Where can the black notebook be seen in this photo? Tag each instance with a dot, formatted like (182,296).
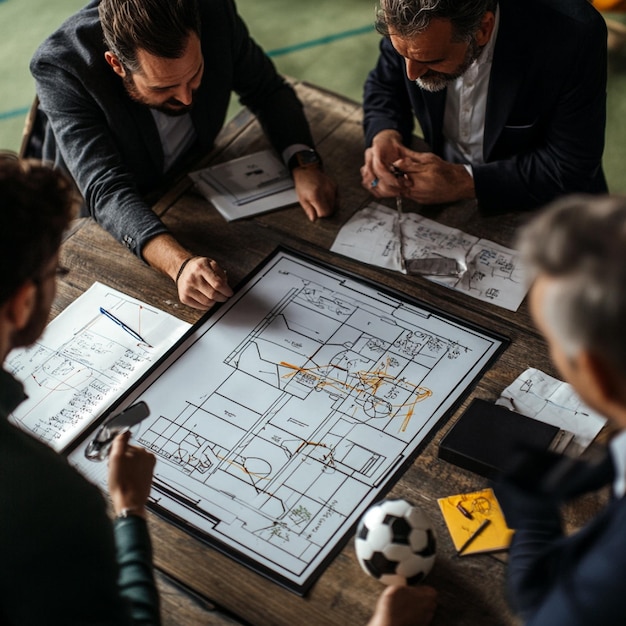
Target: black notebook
(487,437)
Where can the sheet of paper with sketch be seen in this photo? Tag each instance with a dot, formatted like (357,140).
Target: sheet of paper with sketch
(251,184)
(483,269)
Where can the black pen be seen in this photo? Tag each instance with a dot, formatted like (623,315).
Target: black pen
(473,536)
(128,329)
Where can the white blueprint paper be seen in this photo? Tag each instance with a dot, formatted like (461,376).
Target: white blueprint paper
(84,361)
(288,411)
(490,272)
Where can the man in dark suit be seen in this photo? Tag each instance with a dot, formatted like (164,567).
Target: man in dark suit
(130,90)
(576,248)
(510,96)
(63,560)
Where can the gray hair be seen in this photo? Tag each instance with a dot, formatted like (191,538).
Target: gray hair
(581,242)
(406,18)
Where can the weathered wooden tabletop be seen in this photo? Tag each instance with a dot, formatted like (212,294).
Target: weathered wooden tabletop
(201,586)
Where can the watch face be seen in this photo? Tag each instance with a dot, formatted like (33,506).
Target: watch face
(307,157)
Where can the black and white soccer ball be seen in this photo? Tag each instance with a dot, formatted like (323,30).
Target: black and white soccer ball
(395,543)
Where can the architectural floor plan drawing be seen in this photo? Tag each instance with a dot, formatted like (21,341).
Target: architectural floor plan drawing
(289,410)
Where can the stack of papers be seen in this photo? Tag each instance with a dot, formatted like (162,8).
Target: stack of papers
(251,184)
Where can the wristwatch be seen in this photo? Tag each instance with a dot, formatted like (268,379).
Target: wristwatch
(125,513)
(304,158)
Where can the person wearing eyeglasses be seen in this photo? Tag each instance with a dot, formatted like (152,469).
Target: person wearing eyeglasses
(62,561)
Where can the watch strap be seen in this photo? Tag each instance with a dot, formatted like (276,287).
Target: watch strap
(305,159)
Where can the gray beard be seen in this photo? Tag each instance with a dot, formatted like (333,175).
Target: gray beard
(437,81)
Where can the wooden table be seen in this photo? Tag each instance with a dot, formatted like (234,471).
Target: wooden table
(200,585)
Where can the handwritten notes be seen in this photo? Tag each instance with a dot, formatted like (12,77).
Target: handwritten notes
(537,395)
(466,513)
(83,361)
(489,272)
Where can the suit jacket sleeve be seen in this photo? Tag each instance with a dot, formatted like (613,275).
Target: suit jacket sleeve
(96,133)
(556,579)
(386,102)
(546,107)
(265,92)
(136,577)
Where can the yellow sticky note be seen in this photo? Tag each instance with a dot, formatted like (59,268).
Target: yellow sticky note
(466,513)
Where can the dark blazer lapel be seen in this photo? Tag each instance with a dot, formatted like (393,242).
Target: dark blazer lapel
(507,72)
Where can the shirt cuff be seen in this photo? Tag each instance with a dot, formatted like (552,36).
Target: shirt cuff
(289,151)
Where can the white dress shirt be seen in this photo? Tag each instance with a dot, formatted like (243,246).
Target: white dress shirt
(466,104)
(617,447)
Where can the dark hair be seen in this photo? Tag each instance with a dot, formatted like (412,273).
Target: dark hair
(407,18)
(36,205)
(160,27)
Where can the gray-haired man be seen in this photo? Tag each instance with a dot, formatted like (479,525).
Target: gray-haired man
(510,97)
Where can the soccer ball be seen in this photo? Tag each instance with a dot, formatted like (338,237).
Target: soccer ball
(395,543)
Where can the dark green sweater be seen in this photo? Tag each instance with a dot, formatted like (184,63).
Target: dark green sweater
(61,560)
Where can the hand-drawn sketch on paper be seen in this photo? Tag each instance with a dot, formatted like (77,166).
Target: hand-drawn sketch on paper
(285,413)
(488,271)
(84,362)
(540,396)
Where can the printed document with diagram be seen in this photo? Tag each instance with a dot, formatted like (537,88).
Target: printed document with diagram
(251,184)
(486,270)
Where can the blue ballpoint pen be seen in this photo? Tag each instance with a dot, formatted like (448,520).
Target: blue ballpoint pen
(128,329)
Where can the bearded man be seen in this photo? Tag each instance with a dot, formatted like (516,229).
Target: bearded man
(132,91)
(510,97)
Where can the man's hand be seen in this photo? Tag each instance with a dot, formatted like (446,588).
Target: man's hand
(376,174)
(317,192)
(201,283)
(431,180)
(405,606)
(130,475)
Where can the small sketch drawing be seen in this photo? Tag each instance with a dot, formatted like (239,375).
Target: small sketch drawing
(491,273)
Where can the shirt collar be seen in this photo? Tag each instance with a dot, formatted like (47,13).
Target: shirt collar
(11,393)
(617,447)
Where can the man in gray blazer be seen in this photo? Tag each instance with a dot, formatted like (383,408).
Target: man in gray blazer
(129,89)
(510,96)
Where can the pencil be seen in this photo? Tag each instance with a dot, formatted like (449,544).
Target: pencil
(473,536)
(464,511)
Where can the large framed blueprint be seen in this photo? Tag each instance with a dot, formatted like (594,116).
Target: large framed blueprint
(284,413)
